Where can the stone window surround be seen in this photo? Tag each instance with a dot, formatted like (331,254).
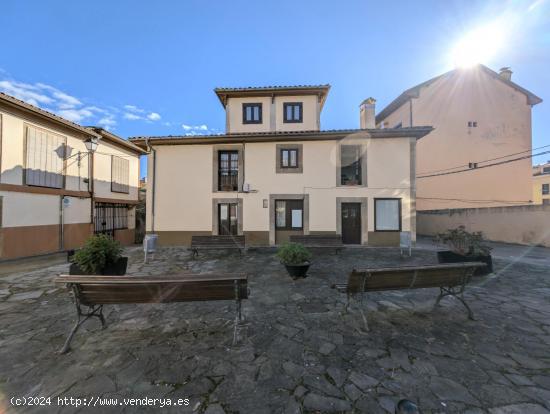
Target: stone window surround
(272,198)
(215,221)
(364,176)
(215,159)
(289,170)
(364,201)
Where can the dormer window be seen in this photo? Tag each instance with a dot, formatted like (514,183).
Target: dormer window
(252,113)
(292,112)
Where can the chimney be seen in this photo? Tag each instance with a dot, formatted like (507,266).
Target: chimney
(505,73)
(367,114)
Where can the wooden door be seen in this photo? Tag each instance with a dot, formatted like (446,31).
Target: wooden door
(351,223)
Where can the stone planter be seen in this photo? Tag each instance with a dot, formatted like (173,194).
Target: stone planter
(448,256)
(114,269)
(297,271)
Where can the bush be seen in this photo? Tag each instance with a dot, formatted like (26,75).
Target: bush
(293,254)
(463,242)
(99,251)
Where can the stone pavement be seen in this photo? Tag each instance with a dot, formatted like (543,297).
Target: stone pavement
(301,353)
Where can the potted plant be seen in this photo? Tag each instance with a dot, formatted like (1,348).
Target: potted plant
(101,255)
(465,247)
(295,257)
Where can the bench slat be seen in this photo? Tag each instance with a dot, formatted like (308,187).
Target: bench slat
(404,277)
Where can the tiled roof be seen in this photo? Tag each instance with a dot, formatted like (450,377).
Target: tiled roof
(272,87)
(53,117)
(109,136)
(417,132)
(413,92)
(223,93)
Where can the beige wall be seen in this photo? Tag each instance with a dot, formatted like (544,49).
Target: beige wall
(13,153)
(504,127)
(524,224)
(183,200)
(102,171)
(538,181)
(272,114)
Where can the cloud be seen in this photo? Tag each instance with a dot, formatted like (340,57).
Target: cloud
(197,129)
(72,108)
(132,117)
(107,122)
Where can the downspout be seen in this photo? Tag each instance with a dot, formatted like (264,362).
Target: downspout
(410,112)
(153,186)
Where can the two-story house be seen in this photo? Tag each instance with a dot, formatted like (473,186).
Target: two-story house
(275,173)
(480,117)
(48,203)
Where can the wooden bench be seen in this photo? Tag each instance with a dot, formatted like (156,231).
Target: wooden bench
(91,293)
(451,279)
(216,243)
(319,240)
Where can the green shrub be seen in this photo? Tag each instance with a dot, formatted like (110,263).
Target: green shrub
(293,254)
(99,251)
(463,242)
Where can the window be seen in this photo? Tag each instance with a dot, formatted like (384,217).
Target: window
(228,171)
(387,214)
(545,189)
(292,112)
(44,158)
(227,219)
(546,170)
(472,124)
(289,214)
(350,165)
(110,217)
(252,113)
(120,174)
(399,125)
(289,158)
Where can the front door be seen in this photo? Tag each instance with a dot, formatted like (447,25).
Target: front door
(227,219)
(351,223)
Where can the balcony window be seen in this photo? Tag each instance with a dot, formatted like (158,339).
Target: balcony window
(120,174)
(44,158)
(228,171)
(350,165)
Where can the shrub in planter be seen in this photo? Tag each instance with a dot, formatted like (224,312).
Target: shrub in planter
(465,247)
(296,258)
(101,255)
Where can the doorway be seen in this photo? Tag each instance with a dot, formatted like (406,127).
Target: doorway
(227,219)
(351,223)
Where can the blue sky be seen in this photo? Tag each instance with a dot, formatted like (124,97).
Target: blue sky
(148,68)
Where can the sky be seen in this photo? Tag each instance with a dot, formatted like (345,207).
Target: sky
(149,68)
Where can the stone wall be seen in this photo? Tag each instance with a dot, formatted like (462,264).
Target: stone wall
(529,224)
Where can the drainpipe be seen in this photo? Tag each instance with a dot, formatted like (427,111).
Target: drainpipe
(153,186)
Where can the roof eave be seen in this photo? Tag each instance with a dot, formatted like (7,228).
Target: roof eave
(415,132)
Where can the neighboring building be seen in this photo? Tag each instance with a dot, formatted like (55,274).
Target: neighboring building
(479,117)
(46,202)
(541,183)
(276,173)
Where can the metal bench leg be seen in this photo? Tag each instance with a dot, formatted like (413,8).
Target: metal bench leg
(238,320)
(451,292)
(81,317)
(195,254)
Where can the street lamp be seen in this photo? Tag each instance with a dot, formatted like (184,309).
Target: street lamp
(91,144)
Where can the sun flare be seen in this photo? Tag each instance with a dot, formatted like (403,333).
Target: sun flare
(478,46)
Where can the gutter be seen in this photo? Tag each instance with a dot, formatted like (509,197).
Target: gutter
(153,186)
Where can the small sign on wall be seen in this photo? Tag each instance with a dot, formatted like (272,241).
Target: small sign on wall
(265,203)
(66,202)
